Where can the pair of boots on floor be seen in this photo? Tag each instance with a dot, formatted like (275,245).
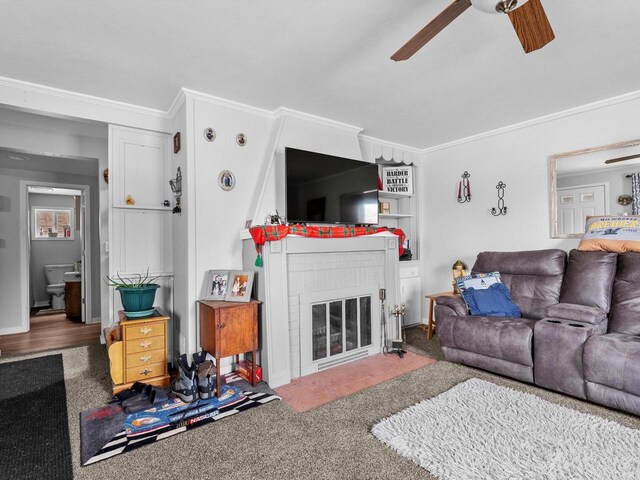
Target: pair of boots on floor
(197,380)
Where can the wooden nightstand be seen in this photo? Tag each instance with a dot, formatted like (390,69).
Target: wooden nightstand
(141,355)
(229,328)
(432,302)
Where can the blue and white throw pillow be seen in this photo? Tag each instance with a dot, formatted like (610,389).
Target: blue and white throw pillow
(486,295)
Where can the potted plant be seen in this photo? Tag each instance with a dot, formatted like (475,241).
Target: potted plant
(137,294)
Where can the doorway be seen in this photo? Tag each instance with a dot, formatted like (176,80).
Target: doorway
(578,202)
(55,231)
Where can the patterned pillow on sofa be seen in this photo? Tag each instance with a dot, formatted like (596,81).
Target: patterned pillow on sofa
(611,234)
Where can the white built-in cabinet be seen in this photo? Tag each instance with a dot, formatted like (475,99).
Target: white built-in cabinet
(141,230)
(403,214)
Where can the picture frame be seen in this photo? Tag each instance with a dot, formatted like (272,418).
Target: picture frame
(240,286)
(176,142)
(398,180)
(217,285)
(226,180)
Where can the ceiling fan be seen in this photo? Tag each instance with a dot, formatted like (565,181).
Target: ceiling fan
(527,16)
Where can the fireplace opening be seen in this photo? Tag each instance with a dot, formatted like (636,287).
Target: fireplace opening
(340,326)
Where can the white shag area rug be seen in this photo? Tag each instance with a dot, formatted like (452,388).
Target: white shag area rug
(479,430)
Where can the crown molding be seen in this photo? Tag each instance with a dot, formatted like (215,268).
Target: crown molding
(386,143)
(539,120)
(223,102)
(291,113)
(178,101)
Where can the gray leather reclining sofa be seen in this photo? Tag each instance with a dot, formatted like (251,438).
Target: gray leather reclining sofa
(580,328)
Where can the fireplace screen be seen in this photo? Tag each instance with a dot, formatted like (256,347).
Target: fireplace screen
(340,326)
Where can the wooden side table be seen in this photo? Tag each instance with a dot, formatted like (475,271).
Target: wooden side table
(432,303)
(229,328)
(141,354)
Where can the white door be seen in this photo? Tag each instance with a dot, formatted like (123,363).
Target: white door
(576,203)
(83,257)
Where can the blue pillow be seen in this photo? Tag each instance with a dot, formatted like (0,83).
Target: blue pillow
(494,301)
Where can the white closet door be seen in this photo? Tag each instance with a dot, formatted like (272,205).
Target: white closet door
(577,203)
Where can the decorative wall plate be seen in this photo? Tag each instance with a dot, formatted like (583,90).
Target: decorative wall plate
(241,139)
(226,180)
(209,134)
(625,199)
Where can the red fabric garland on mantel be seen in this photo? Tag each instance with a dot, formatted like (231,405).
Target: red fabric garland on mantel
(270,233)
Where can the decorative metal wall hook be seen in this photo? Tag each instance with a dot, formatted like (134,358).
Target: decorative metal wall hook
(176,188)
(501,210)
(464,188)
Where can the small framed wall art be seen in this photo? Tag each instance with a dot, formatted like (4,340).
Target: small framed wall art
(176,143)
(398,180)
(226,180)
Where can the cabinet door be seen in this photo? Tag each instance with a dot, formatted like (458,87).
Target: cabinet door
(140,168)
(237,330)
(412,299)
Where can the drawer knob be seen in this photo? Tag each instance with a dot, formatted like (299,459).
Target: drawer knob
(145,344)
(145,358)
(221,325)
(146,330)
(146,371)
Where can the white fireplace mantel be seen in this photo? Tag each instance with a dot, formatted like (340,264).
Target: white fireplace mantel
(279,310)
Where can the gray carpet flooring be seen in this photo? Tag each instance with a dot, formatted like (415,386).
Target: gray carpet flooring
(333,441)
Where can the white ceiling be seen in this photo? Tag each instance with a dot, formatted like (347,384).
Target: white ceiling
(328,58)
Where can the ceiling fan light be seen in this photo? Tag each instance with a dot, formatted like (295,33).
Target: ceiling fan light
(497,6)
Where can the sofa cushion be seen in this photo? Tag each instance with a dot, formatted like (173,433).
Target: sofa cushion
(613,360)
(589,279)
(498,337)
(578,313)
(625,303)
(534,278)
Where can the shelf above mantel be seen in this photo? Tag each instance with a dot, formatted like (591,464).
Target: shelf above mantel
(383,194)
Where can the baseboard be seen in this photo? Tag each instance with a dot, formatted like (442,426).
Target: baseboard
(12,330)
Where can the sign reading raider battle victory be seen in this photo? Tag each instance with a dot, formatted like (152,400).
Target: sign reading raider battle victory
(397,180)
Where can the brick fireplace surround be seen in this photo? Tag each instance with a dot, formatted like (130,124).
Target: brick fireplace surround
(300,272)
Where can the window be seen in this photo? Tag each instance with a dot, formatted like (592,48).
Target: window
(52,223)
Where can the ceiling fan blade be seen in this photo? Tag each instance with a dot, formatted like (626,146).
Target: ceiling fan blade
(622,159)
(531,25)
(434,27)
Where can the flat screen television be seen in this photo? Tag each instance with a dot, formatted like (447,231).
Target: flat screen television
(326,189)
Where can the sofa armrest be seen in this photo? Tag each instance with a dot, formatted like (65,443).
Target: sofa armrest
(454,303)
(577,313)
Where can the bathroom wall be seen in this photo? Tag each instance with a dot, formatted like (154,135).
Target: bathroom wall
(45,252)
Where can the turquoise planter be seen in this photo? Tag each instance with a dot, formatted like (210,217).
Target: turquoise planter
(139,298)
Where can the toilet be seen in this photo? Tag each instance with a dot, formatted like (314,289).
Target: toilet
(55,283)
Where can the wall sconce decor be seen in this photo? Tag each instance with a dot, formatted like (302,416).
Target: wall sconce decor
(176,188)
(105,175)
(457,270)
(501,210)
(464,188)
(241,139)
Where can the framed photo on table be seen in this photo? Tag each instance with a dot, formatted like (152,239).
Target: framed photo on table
(240,286)
(217,284)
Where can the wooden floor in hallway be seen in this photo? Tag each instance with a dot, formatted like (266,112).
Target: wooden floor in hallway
(48,332)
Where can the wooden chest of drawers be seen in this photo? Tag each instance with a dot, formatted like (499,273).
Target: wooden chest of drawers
(138,351)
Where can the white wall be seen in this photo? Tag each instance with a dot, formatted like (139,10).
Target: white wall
(451,231)
(33,133)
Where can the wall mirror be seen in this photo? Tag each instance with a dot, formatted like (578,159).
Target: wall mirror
(593,181)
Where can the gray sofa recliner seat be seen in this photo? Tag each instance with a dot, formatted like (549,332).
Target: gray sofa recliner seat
(503,345)
(580,331)
(612,361)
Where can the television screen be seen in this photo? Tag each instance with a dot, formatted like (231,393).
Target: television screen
(326,189)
